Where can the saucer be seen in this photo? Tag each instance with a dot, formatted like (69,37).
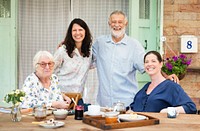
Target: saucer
(56,124)
(87,113)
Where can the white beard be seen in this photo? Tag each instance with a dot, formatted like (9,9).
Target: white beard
(117,34)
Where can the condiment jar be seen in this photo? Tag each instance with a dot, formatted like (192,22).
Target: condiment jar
(111,117)
(79,112)
(40,113)
(119,107)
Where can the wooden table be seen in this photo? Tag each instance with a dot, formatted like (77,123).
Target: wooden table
(184,122)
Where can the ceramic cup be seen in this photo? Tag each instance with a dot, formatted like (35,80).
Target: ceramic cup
(94,110)
(86,106)
(171,112)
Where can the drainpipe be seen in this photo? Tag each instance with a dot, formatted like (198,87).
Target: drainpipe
(163,38)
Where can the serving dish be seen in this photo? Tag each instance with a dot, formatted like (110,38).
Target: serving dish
(100,122)
(131,117)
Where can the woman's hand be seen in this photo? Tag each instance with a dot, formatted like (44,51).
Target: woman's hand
(179,109)
(67,99)
(60,104)
(163,110)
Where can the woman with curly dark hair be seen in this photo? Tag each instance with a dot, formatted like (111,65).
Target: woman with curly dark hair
(73,58)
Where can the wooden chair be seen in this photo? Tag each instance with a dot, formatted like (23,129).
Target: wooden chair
(76,96)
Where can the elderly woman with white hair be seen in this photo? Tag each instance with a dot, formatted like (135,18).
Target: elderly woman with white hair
(41,86)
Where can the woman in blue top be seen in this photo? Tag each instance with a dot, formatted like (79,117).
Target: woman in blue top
(160,93)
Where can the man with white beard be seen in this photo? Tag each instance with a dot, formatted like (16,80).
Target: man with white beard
(117,58)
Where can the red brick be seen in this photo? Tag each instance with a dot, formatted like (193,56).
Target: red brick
(168,31)
(189,8)
(171,8)
(184,31)
(196,2)
(188,23)
(198,32)
(168,15)
(198,16)
(185,15)
(183,1)
(170,23)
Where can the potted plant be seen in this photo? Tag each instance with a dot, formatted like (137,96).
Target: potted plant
(176,65)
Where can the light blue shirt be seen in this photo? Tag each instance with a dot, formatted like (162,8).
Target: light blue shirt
(116,66)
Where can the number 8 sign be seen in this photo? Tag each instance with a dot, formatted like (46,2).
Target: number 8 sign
(189,44)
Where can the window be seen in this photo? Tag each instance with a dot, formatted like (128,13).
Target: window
(5,9)
(144,9)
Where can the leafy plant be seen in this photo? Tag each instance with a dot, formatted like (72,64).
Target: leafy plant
(16,96)
(176,65)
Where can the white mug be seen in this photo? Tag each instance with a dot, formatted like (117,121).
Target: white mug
(93,110)
(172,112)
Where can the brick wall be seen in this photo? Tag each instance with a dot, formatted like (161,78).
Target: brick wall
(182,17)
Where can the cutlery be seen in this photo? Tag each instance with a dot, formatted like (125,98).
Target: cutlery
(74,101)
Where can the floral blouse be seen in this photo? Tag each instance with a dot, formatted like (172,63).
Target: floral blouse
(36,94)
(72,72)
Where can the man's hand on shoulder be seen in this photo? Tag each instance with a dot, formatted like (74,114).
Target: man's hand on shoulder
(171,77)
(59,45)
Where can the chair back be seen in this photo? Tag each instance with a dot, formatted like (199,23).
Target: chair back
(76,96)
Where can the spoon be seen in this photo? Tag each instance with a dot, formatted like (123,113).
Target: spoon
(74,101)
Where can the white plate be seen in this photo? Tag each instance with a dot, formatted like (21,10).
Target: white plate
(87,113)
(5,110)
(127,117)
(52,125)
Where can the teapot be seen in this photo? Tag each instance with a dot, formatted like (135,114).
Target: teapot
(119,107)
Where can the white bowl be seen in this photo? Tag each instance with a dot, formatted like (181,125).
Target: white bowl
(111,114)
(60,112)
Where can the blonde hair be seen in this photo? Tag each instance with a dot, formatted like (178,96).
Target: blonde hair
(38,55)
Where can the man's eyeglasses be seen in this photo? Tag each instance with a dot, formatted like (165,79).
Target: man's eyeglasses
(50,64)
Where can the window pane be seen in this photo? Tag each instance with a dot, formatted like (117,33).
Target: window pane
(144,9)
(4,8)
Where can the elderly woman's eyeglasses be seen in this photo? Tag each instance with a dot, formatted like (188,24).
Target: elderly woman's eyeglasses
(43,65)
